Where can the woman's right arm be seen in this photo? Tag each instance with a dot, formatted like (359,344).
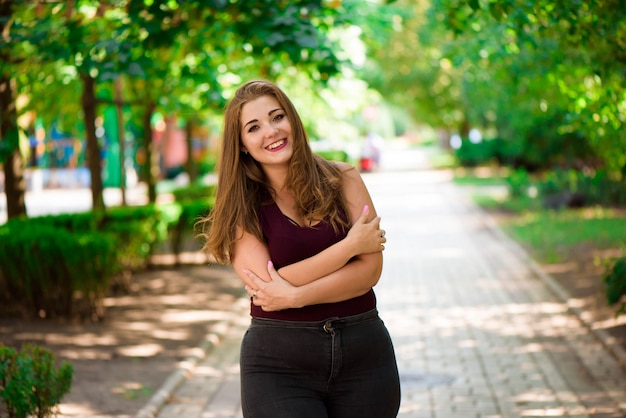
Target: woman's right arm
(250,254)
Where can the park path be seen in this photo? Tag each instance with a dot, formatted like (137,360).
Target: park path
(478,332)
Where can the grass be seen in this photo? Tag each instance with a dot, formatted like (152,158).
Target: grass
(480,178)
(502,202)
(551,235)
(589,239)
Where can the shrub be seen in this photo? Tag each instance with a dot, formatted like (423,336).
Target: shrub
(193,202)
(194,192)
(74,222)
(334,155)
(138,229)
(62,265)
(189,212)
(29,382)
(472,154)
(207,165)
(49,269)
(518,182)
(573,188)
(615,281)
(507,151)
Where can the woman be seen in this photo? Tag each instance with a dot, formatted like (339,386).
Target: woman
(303,235)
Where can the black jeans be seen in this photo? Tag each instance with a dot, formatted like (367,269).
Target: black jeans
(338,368)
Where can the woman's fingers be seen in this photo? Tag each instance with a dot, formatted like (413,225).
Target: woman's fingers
(272,271)
(252,281)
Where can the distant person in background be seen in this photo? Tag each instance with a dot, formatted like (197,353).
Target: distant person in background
(303,234)
(371,152)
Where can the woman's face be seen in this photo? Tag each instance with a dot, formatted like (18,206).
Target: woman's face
(266,131)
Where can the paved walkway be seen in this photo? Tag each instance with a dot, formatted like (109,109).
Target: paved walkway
(477,331)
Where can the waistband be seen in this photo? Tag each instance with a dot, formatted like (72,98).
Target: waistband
(329,323)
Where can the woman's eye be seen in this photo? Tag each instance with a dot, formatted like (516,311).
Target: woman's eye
(253,128)
(279,117)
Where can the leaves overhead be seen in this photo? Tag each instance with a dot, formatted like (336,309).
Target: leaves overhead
(511,67)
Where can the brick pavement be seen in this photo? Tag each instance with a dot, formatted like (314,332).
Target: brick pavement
(478,331)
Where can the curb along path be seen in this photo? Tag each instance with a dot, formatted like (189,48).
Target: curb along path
(478,331)
(207,385)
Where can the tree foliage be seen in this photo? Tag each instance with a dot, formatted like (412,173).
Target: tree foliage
(174,56)
(538,72)
(575,53)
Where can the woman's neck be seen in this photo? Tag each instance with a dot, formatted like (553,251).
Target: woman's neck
(277,177)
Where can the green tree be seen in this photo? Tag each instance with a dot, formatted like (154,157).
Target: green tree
(187,66)
(573,56)
(174,56)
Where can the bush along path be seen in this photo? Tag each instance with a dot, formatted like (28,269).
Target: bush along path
(30,384)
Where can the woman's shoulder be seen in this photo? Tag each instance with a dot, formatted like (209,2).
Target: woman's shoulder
(350,176)
(345,168)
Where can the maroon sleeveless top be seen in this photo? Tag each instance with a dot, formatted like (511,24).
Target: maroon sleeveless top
(289,243)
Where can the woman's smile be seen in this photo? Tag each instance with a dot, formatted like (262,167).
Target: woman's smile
(278,145)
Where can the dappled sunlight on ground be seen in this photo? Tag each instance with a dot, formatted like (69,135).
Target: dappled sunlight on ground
(120,362)
(140,350)
(52,338)
(79,410)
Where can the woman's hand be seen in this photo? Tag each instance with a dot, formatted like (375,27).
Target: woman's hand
(275,295)
(366,237)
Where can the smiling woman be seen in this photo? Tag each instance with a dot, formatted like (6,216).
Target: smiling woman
(303,235)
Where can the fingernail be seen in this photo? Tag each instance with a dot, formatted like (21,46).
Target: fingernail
(245,271)
(365,207)
(270,264)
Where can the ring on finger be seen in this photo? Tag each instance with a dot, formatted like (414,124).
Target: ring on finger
(254,294)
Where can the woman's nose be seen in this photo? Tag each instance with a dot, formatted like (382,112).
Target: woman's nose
(270,130)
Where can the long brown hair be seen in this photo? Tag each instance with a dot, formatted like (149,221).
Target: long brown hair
(243,186)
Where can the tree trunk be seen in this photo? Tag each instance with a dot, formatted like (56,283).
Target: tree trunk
(190,167)
(151,156)
(464,128)
(93,148)
(15,186)
(121,135)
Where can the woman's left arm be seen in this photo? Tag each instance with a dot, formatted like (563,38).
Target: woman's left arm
(354,279)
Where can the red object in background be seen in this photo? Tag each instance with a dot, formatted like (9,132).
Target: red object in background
(367,164)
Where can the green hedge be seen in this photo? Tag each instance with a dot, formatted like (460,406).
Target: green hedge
(334,155)
(587,188)
(472,154)
(55,272)
(138,229)
(63,265)
(196,192)
(615,282)
(192,203)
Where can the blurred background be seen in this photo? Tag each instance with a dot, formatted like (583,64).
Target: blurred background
(121,101)
(118,94)
(110,125)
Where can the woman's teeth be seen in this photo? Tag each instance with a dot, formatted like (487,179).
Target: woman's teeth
(276,144)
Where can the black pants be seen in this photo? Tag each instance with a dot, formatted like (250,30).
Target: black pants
(338,368)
